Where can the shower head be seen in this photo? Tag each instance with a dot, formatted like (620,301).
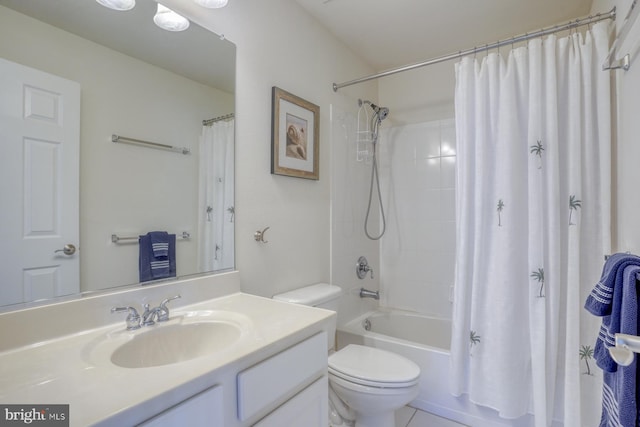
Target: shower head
(381,112)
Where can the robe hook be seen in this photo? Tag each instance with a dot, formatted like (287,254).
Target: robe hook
(259,235)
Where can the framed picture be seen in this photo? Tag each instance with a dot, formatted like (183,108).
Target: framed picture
(295,136)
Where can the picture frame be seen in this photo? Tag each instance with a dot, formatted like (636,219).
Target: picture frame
(295,136)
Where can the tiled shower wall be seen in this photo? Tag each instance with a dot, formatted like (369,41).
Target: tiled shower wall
(417,253)
(349,196)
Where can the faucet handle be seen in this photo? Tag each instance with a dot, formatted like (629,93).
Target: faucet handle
(133,318)
(362,268)
(147,316)
(163,313)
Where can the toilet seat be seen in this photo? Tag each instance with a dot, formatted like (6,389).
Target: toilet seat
(373,367)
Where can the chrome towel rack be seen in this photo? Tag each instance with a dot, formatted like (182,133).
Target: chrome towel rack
(126,140)
(623,351)
(185,235)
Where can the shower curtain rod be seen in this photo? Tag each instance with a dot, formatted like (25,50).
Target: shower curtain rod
(592,19)
(209,122)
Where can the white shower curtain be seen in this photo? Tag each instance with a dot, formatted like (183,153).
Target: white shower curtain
(533,201)
(216,208)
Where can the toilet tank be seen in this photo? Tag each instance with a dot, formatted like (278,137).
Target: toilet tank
(322,295)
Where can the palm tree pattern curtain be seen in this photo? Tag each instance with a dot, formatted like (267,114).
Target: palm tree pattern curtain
(533,201)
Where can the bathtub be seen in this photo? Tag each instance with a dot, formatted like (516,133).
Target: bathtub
(426,341)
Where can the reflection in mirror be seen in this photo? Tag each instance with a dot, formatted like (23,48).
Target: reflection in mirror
(72,74)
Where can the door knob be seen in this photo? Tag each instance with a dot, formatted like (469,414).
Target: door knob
(68,249)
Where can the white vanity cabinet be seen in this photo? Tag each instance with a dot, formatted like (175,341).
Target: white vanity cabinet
(294,381)
(205,409)
(289,388)
(309,408)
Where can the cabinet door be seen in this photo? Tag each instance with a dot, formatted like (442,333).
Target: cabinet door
(309,408)
(266,384)
(203,409)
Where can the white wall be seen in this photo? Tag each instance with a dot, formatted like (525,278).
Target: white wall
(351,180)
(124,189)
(279,44)
(418,252)
(626,204)
(421,95)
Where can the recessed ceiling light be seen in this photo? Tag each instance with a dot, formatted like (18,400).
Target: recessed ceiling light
(212,4)
(167,19)
(118,4)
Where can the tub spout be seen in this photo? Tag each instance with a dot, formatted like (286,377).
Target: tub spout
(365,293)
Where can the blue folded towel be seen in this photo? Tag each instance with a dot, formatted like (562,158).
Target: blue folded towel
(159,243)
(152,266)
(614,298)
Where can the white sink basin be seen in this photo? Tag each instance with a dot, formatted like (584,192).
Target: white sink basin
(167,344)
(186,336)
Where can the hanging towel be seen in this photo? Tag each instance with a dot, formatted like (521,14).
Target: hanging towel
(159,243)
(152,267)
(599,302)
(606,300)
(614,298)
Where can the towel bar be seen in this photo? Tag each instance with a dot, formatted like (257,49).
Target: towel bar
(126,140)
(626,345)
(119,239)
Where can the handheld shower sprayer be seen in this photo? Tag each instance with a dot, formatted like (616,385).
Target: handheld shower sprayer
(380,113)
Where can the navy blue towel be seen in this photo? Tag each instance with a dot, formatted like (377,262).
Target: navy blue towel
(154,261)
(614,298)
(159,243)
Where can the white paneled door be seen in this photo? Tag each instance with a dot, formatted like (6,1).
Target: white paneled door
(39,189)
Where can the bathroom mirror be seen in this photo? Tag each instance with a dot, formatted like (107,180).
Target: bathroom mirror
(137,81)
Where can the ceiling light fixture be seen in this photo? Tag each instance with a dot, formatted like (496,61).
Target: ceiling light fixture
(118,4)
(212,4)
(167,19)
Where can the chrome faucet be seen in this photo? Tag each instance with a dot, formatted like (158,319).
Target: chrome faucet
(163,310)
(365,293)
(149,315)
(160,313)
(133,319)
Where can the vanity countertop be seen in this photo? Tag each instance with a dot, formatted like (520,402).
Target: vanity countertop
(68,370)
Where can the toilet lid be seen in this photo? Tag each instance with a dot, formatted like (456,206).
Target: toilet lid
(373,366)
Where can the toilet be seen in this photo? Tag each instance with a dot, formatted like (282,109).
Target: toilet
(366,384)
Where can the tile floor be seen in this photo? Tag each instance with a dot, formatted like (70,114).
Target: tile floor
(410,417)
